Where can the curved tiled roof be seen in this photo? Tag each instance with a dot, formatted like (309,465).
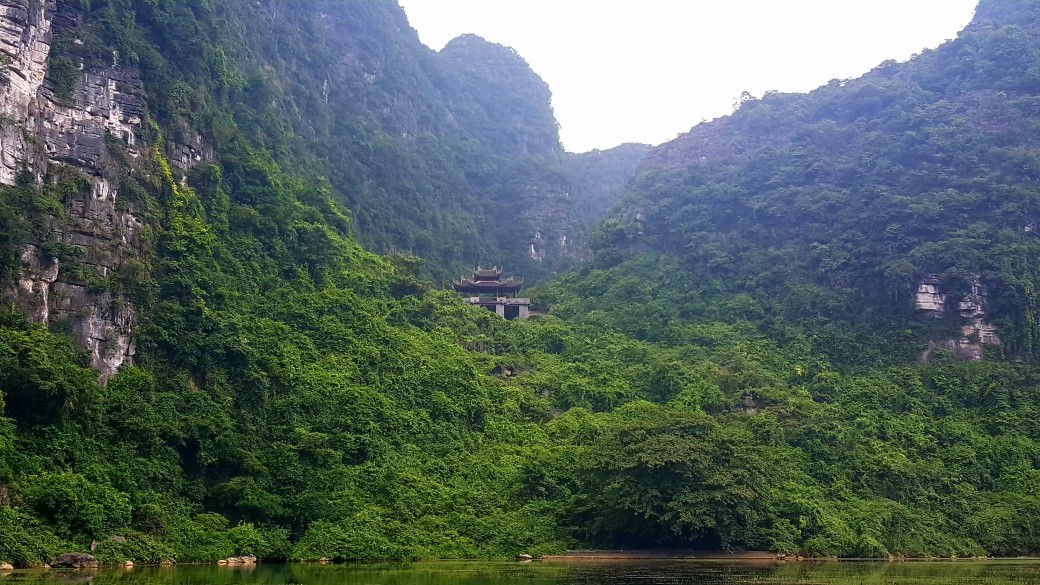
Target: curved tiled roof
(509,283)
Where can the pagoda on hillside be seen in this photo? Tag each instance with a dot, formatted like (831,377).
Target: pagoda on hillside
(488,289)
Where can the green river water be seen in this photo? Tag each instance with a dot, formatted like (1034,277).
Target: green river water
(554,573)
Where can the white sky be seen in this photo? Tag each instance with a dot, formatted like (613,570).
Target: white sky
(647,70)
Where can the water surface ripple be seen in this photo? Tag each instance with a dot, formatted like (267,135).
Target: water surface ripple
(557,573)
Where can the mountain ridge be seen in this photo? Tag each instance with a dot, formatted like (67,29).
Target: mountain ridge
(738,368)
(844,189)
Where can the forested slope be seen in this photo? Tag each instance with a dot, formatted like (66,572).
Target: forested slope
(267,386)
(839,204)
(737,369)
(429,150)
(598,178)
(833,258)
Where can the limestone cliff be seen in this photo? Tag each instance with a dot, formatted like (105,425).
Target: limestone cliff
(80,140)
(453,155)
(555,234)
(933,300)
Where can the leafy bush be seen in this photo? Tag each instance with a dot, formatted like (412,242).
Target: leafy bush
(24,542)
(76,506)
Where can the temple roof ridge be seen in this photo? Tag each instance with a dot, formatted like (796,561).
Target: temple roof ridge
(488,289)
(487,279)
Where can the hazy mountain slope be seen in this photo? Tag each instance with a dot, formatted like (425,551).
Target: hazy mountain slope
(175,221)
(847,202)
(196,355)
(598,178)
(411,140)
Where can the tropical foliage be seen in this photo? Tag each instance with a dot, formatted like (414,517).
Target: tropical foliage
(735,370)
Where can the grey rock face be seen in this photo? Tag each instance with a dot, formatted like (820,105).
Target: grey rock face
(41,134)
(187,149)
(25,36)
(931,300)
(552,224)
(107,103)
(928,300)
(75,561)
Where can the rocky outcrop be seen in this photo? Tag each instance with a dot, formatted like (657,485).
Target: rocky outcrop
(25,36)
(928,301)
(553,227)
(245,560)
(187,148)
(107,105)
(86,136)
(969,307)
(554,242)
(94,544)
(75,561)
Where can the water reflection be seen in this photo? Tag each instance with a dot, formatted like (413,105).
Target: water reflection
(555,573)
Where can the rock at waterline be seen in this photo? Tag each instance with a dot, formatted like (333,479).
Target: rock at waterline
(246,560)
(75,561)
(6,567)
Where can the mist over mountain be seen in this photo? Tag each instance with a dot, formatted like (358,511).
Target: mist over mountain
(809,327)
(851,203)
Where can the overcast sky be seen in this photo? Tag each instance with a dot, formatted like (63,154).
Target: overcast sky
(647,70)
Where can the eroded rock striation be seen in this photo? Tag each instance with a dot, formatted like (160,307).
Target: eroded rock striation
(969,307)
(552,225)
(82,137)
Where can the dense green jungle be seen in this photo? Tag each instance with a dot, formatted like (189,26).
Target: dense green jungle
(740,361)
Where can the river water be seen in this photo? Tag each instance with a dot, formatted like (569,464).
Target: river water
(556,573)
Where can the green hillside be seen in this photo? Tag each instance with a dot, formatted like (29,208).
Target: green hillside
(425,148)
(836,205)
(742,365)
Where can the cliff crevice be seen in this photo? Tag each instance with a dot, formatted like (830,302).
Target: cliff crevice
(72,141)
